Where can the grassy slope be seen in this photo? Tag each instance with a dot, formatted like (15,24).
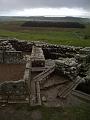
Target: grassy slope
(57,36)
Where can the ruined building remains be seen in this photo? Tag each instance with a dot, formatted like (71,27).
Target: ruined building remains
(48,74)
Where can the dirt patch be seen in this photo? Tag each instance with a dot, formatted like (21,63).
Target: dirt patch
(52,87)
(11,72)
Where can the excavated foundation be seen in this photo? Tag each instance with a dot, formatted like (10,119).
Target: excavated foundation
(42,74)
(11,72)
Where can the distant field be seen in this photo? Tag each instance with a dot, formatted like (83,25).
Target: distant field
(65,36)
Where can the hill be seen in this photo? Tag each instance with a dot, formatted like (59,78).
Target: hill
(42,18)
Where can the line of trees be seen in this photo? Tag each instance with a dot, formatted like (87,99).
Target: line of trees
(53,24)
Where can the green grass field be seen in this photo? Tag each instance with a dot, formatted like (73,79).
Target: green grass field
(64,36)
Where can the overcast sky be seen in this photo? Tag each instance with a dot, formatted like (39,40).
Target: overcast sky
(45,7)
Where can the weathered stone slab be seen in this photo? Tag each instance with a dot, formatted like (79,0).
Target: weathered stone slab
(37,57)
(38,93)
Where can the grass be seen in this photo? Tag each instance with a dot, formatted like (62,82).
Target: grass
(73,37)
(80,112)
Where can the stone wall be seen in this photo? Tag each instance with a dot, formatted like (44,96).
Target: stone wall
(13,91)
(21,45)
(17,91)
(8,54)
(37,57)
(13,57)
(9,57)
(1,57)
(13,87)
(68,67)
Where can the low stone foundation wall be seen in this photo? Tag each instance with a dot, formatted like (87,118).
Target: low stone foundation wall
(21,45)
(16,91)
(1,57)
(13,91)
(9,57)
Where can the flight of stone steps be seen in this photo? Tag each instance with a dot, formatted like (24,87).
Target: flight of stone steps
(42,76)
(66,90)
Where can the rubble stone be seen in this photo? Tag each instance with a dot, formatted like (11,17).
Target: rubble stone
(68,66)
(8,54)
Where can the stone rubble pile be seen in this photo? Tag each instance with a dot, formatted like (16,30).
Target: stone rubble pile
(56,51)
(85,50)
(21,45)
(68,67)
(80,55)
(5,45)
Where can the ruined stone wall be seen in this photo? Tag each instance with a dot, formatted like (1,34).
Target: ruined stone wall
(13,57)
(68,67)
(1,57)
(16,91)
(21,45)
(9,57)
(8,53)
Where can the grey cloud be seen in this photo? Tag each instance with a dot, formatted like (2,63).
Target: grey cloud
(7,5)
